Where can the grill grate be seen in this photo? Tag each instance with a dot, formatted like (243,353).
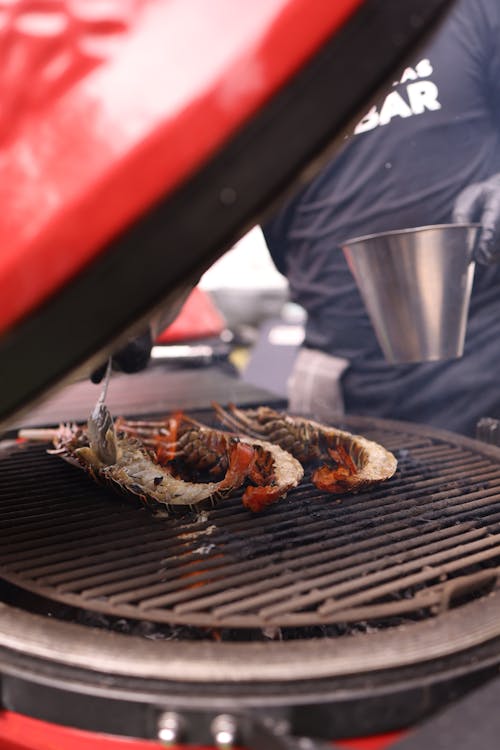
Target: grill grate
(424,541)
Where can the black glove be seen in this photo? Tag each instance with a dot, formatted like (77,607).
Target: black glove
(133,357)
(481,203)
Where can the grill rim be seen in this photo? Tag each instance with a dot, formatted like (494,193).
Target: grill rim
(112,653)
(392,699)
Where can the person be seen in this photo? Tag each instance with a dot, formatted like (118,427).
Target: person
(428,153)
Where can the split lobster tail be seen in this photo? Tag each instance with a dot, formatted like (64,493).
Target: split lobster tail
(340,461)
(177,461)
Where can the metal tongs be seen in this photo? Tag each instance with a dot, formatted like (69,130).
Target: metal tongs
(100,427)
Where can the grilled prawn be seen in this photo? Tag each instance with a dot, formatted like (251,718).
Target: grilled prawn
(344,462)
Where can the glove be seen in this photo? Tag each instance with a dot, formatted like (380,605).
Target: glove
(480,202)
(314,386)
(133,357)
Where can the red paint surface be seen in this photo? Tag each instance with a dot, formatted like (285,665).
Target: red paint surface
(21,733)
(378,742)
(110,106)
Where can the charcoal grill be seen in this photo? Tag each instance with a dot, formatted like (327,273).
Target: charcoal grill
(386,599)
(403,549)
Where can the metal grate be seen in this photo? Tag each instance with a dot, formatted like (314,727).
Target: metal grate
(424,541)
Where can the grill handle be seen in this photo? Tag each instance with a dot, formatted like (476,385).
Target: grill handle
(264,733)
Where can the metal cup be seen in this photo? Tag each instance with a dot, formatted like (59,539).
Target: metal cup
(416,285)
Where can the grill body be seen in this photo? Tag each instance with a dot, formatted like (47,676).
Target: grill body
(357,614)
(19,733)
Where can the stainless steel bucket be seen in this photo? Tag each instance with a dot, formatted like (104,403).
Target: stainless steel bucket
(416,285)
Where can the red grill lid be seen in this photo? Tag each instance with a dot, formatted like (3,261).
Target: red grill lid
(138,139)
(108,112)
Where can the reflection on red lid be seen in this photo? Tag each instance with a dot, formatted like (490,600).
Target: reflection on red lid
(106,106)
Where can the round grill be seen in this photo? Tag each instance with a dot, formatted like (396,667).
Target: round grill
(426,540)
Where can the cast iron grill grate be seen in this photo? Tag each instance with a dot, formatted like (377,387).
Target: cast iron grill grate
(408,549)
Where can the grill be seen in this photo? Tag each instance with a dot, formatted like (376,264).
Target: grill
(314,564)
(340,616)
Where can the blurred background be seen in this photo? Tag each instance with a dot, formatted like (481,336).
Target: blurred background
(240,313)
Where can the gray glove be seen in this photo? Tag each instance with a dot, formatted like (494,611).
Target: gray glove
(480,202)
(314,386)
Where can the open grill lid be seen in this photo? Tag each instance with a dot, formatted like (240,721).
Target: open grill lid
(138,144)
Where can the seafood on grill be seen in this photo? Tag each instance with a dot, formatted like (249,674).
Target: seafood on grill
(342,462)
(183,446)
(177,461)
